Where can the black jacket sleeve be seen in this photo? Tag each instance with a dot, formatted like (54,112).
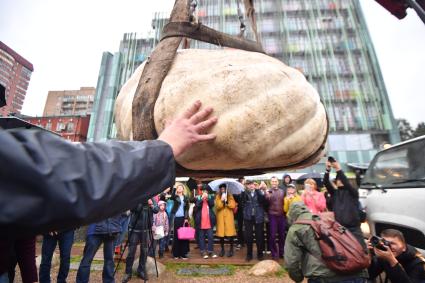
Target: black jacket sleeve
(353,192)
(329,187)
(48,183)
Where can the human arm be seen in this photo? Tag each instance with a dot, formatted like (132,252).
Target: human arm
(210,201)
(52,184)
(320,201)
(231,203)
(293,257)
(391,266)
(154,205)
(328,185)
(219,204)
(286,205)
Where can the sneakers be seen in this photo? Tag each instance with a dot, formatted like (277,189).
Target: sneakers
(212,255)
(268,252)
(126,278)
(204,255)
(221,254)
(185,257)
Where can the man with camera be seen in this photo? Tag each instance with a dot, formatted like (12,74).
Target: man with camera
(400,261)
(345,200)
(140,233)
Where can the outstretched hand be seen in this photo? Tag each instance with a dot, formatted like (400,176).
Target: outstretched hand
(189,128)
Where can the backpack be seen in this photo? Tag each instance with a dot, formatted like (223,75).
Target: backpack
(341,251)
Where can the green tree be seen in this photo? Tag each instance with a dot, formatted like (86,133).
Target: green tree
(420,130)
(406,131)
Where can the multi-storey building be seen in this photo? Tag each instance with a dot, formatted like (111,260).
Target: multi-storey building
(115,70)
(15,75)
(328,41)
(73,128)
(69,102)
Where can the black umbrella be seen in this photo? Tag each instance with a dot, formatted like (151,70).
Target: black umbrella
(2,96)
(315,176)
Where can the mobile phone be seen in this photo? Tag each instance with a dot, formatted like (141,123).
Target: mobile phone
(331,159)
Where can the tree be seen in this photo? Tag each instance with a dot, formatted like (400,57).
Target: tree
(420,130)
(406,131)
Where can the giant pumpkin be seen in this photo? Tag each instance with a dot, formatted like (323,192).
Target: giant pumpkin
(270,117)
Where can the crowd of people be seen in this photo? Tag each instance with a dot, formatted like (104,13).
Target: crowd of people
(262,214)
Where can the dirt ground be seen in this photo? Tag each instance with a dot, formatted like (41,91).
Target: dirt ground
(240,275)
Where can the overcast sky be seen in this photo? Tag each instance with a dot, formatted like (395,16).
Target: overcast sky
(65,39)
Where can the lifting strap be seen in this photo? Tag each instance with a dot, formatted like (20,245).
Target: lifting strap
(201,32)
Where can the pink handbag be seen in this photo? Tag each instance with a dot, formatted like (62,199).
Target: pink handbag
(186,233)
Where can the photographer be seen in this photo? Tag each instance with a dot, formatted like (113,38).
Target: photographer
(140,227)
(400,261)
(345,200)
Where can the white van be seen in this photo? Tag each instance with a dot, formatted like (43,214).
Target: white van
(395,181)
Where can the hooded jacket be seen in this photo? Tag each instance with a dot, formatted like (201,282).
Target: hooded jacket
(302,251)
(410,269)
(345,200)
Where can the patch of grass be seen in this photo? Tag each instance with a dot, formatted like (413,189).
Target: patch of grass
(77,259)
(281,273)
(174,267)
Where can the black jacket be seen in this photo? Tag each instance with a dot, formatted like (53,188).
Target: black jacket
(253,204)
(177,204)
(411,267)
(142,216)
(48,183)
(345,201)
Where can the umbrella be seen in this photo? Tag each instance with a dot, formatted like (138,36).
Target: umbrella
(233,186)
(315,176)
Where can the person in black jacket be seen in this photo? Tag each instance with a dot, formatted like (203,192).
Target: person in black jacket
(253,213)
(239,217)
(345,201)
(139,233)
(180,214)
(103,232)
(400,261)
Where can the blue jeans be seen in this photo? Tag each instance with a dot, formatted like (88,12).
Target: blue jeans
(93,243)
(4,278)
(208,233)
(65,240)
(353,280)
(162,242)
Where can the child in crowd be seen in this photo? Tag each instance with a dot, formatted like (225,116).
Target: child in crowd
(160,228)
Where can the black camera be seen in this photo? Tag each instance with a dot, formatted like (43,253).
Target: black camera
(379,243)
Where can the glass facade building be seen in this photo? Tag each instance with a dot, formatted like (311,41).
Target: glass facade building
(115,70)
